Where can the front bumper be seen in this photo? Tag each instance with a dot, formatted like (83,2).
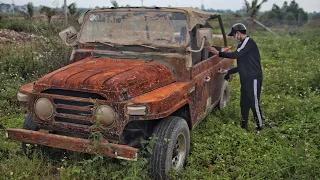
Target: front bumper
(73,144)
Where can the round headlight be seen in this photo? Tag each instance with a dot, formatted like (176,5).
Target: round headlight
(105,115)
(43,108)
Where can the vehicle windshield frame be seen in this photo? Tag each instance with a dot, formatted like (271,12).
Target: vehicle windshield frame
(120,10)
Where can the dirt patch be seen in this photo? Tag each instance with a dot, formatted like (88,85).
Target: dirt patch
(10,36)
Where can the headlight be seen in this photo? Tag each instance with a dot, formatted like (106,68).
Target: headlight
(43,108)
(22,97)
(105,115)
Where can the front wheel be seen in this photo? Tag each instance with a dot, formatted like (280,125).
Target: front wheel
(171,147)
(28,124)
(29,149)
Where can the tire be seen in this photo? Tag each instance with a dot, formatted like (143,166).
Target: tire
(171,147)
(28,124)
(29,149)
(224,96)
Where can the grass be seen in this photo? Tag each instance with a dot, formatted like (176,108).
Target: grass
(288,147)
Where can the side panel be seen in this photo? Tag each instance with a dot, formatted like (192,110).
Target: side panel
(164,101)
(223,63)
(208,85)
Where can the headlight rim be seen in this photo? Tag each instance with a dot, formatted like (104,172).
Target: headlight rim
(113,115)
(36,110)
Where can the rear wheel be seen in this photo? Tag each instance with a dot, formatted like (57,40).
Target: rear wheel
(224,96)
(171,148)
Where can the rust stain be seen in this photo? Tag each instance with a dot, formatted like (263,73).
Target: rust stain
(26,89)
(109,77)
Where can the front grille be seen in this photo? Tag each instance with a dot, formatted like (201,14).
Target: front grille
(74,121)
(75,112)
(72,111)
(73,103)
(73,93)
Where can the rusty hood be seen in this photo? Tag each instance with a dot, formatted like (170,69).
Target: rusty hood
(114,79)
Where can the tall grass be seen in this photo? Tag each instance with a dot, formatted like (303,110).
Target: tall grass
(26,61)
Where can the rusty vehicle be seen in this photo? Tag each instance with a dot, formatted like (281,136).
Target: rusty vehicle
(139,73)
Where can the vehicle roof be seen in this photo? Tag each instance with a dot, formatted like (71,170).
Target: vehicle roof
(196,16)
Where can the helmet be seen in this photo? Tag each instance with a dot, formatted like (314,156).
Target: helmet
(237,27)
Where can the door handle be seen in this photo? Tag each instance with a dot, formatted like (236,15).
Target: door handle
(207,79)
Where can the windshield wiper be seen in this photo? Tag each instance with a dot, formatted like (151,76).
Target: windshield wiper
(143,45)
(113,45)
(147,46)
(104,43)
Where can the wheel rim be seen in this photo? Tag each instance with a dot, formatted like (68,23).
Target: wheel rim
(179,152)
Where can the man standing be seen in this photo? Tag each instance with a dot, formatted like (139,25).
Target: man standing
(250,71)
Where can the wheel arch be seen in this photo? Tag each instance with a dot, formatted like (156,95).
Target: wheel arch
(184,112)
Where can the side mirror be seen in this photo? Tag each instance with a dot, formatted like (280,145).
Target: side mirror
(80,20)
(69,36)
(206,35)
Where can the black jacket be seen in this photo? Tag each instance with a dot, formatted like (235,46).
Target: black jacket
(248,60)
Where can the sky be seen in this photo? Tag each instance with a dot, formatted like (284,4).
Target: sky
(307,5)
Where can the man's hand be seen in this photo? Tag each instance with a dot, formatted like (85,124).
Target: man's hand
(214,50)
(226,74)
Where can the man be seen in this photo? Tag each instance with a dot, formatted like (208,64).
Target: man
(250,71)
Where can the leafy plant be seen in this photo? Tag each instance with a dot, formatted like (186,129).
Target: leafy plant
(252,9)
(49,12)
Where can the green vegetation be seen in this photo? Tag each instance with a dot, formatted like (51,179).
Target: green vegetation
(290,14)
(288,147)
(49,12)
(253,9)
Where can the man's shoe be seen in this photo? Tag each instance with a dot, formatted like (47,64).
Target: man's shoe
(259,128)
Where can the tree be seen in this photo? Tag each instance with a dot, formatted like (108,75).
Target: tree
(287,14)
(253,9)
(72,9)
(202,7)
(49,12)
(114,3)
(30,10)
(29,13)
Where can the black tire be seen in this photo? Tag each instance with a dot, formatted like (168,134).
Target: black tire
(28,124)
(29,149)
(224,96)
(171,148)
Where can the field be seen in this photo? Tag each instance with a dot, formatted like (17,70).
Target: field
(288,147)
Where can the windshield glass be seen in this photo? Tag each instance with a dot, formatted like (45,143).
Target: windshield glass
(155,28)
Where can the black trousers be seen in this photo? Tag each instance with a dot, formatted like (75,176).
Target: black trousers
(250,99)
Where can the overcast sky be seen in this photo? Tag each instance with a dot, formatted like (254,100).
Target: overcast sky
(307,5)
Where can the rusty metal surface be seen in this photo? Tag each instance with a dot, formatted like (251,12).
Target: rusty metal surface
(147,83)
(160,79)
(73,144)
(207,93)
(108,77)
(163,101)
(26,89)
(112,132)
